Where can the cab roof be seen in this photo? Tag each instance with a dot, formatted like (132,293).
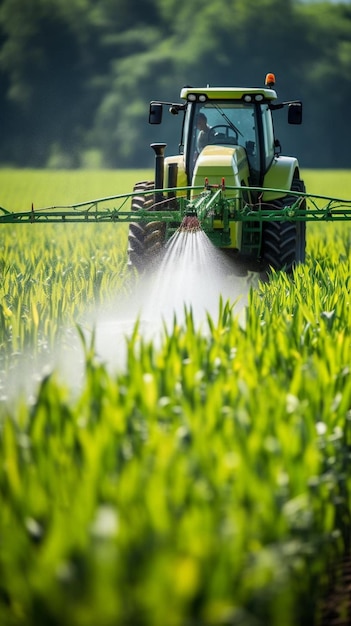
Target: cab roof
(247,94)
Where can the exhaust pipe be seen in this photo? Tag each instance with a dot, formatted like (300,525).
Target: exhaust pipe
(159,149)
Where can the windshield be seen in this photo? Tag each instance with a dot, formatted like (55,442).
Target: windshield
(226,123)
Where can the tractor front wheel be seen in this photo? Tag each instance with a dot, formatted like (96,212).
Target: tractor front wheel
(145,239)
(284,243)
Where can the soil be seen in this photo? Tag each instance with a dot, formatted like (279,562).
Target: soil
(336,608)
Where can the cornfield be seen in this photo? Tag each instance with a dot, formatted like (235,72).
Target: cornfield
(204,483)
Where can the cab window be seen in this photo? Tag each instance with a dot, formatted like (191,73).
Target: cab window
(226,124)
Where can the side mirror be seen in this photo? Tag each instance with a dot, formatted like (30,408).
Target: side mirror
(295,113)
(155,113)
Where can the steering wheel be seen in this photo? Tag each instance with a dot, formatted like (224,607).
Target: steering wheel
(222,133)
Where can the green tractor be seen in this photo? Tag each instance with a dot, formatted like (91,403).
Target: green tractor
(227,144)
(229,180)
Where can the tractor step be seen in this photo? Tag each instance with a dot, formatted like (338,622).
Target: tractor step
(251,238)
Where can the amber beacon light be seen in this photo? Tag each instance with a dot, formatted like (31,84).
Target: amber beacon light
(270,80)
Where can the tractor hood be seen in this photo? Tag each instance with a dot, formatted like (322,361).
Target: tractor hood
(217,162)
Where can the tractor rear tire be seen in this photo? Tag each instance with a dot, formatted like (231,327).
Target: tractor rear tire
(284,243)
(146,240)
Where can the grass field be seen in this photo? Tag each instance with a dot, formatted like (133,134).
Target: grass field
(21,188)
(206,482)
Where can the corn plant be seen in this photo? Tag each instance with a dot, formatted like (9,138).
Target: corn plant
(207,481)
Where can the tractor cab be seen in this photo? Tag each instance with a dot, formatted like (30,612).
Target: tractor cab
(227,122)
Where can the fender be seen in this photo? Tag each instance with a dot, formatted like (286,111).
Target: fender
(280,176)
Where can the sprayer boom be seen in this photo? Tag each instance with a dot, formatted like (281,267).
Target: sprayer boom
(207,204)
(96,216)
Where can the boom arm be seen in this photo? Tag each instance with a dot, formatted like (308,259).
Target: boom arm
(209,202)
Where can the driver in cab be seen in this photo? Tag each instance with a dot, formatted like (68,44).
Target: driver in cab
(204,129)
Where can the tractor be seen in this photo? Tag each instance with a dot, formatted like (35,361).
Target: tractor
(229,180)
(227,145)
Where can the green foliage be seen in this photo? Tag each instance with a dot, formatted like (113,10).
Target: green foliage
(46,274)
(207,481)
(77,76)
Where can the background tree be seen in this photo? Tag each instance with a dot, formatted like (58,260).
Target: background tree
(76,76)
